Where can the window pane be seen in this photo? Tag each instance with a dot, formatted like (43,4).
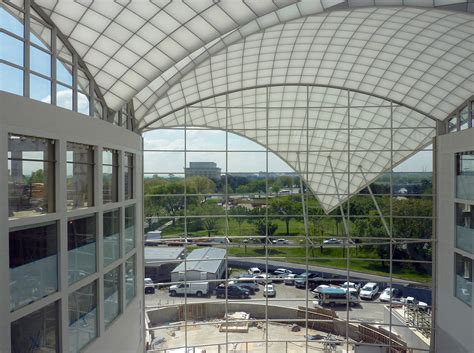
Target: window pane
(452,124)
(464,118)
(110,175)
(81,235)
(112,295)
(10,22)
(40,34)
(40,89)
(130,279)
(64,97)
(82,103)
(80,181)
(128,176)
(463,281)
(82,81)
(465,227)
(12,79)
(465,175)
(82,317)
(40,61)
(30,176)
(111,236)
(63,72)
(11,49)
(129,228)
(33,264)
(42,325)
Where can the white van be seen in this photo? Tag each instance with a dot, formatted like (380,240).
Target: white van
(198,289)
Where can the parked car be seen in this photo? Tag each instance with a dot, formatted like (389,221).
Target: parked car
(254,271)
(369,291)
(250,285)
(354,288)
(280,242)
(290,279)
(415,302)
(149,286)
(233,291)
(333,296)
(263,278)
(280,274)
(313,280)
(390,294)
(198,289)
(332,241)
(269,291)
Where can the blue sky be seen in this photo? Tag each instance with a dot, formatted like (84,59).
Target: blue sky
(173,140)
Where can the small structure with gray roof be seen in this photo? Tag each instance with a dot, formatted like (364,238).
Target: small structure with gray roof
(201,265)
(160,261)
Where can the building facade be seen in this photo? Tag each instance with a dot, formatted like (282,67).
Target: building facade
(203,264)
(455,236)
(160,261)
(206,169)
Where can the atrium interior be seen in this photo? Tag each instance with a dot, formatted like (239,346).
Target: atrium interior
(238,176)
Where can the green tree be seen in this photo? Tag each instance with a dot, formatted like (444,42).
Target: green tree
(285,207)
(37,176)
(239,211)
(261,228)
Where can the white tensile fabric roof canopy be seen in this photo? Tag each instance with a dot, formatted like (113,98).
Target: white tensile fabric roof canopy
(411,60)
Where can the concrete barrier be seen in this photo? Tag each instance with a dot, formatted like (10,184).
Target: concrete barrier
(212,310)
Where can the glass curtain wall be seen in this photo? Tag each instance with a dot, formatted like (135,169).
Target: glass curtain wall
(293,252)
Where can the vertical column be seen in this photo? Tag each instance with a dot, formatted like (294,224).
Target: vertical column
(26,50)
(53,66)
(63,265)
(391,219)
(5,342)
(97,192)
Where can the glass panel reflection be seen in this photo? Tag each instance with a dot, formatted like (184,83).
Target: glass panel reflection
(81,247)
(33,264)
(39,328)
(130,279)
(465,175)
(80,170)
(30,176)
(463,281)
(82,317)
(111,236)
(110,175)
(112,295)
(130,223)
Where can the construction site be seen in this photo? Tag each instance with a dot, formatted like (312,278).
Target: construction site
(217,328)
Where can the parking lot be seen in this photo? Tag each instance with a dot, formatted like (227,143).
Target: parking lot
(286,295)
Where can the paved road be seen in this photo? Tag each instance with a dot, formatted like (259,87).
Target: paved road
(288,296)
(299,268)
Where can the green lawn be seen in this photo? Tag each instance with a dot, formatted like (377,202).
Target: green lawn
(331,257)
(334,258)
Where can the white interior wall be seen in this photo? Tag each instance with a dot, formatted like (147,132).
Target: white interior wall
(24,116)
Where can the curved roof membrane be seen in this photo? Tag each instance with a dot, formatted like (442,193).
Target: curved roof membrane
(352,87)
(419,57)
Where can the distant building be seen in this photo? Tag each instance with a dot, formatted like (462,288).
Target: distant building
(207,169)
(201,265)
(160,261)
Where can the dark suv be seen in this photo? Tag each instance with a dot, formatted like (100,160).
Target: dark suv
(313,280)
(233,291)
